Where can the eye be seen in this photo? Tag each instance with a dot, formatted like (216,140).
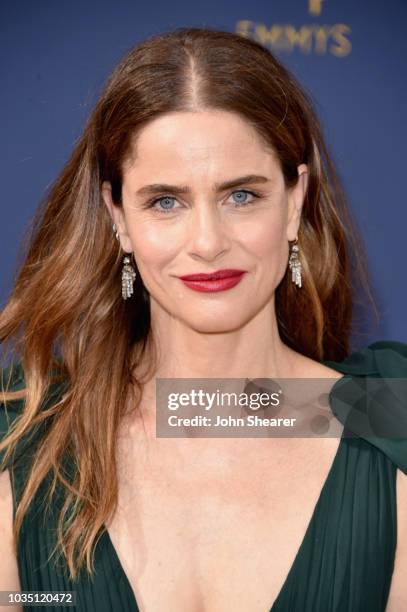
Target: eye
(243,202)
(166,200)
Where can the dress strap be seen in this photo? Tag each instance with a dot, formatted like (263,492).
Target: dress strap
(373,408)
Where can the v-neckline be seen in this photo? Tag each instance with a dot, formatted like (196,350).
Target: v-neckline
(120,569)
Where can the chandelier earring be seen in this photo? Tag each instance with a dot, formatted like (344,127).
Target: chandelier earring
(128,272)
(128,277)
(295,264)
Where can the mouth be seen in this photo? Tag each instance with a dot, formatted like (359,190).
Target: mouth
(218,274)
(215,281)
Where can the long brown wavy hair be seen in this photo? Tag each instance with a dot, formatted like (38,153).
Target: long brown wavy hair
(65,319)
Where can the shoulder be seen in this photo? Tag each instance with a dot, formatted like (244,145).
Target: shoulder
(371,399)
(375,387)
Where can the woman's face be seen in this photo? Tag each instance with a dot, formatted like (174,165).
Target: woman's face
(195,224)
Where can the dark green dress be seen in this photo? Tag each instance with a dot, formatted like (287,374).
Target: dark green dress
(346,559)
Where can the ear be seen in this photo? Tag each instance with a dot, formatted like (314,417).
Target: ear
(117,215)
(296,197)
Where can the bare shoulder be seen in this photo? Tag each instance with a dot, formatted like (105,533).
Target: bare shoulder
(398,589)
(9,577)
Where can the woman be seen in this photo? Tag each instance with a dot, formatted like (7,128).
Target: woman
(202,154)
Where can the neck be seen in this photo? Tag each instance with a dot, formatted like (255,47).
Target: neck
(253,350)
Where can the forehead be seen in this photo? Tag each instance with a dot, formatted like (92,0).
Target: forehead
(203,141)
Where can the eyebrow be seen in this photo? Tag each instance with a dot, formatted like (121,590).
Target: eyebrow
(179,189)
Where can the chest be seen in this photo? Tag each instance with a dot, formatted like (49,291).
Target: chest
(214,525)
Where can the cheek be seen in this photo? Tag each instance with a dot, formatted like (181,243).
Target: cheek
(153,245)
(265,236)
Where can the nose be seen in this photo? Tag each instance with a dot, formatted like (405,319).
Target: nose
(208,232)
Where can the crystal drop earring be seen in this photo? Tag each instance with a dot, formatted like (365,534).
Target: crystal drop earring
(128,278)
(128,272)
(295,264)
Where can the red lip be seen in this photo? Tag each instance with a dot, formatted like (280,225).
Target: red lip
(218,274)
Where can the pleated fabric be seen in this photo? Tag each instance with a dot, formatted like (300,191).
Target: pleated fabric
(346,559)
